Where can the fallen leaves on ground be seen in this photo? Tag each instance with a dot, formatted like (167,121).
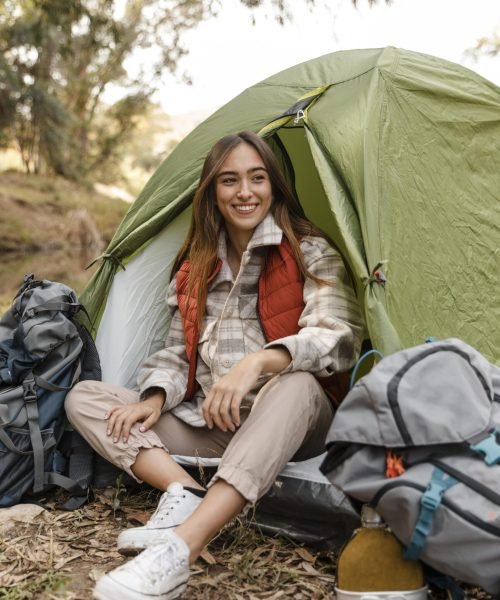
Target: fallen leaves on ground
(56,555)
(59,555)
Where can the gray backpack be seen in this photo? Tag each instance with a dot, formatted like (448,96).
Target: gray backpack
(44,350)
(418,438)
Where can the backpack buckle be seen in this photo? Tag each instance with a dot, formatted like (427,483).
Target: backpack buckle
(432,496)
(29,390)
(489,448)
(430,501)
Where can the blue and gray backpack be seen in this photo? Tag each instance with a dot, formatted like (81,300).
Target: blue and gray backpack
(44,351)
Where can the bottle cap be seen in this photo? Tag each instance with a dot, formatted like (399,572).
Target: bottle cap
(370,517)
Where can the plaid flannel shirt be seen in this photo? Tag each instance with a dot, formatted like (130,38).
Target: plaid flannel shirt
(329,339)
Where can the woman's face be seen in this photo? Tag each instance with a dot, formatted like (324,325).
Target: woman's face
(243,192)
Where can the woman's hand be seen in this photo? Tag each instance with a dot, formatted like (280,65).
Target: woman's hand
(122,418)
(221,407)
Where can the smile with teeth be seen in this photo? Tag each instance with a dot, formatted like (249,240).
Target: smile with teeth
(245,208)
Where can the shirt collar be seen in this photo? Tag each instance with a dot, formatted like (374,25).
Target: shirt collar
(267,233)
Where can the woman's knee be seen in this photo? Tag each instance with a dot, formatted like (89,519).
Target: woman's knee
(307,397)
(76,395)
(303,386)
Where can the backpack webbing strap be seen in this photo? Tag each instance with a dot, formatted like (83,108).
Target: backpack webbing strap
(51,387)
(30,402)
(8,443)
(50,306)
(488,448)
(70,485)
(431,499)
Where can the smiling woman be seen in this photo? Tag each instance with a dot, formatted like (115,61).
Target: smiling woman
(244,195)
(263,315)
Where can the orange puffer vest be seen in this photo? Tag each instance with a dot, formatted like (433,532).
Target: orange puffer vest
(280,304)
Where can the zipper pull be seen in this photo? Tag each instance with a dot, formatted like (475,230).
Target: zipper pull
(298,117)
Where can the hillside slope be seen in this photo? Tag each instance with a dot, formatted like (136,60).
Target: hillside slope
(53,228)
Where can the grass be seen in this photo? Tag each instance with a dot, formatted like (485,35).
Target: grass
(46,584)
(59,555)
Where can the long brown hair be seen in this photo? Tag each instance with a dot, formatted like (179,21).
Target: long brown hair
(201,243)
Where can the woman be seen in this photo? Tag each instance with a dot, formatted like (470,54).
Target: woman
(262,310)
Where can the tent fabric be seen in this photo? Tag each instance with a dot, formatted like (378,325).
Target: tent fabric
(395,154)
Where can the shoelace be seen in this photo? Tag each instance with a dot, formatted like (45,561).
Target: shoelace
(167,503)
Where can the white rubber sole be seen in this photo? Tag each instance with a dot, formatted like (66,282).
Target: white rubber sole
(109,589)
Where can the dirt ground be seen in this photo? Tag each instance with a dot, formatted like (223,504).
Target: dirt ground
(50,554)
(59,555)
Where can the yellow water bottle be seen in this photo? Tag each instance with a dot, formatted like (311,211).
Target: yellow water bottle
(372,565)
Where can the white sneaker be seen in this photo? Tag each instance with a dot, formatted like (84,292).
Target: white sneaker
(175,506)
(160,573)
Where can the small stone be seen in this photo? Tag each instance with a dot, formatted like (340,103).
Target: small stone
(20,513)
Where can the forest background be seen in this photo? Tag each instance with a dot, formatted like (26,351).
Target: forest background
(82,128)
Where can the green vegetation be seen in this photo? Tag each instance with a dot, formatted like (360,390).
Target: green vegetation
(46,584)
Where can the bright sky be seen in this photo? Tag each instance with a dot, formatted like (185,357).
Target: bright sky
(228,54)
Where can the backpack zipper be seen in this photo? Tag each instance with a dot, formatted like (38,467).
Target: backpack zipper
(393,386)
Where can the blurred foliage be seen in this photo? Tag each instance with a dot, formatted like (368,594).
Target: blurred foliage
(58,57)
(487,46)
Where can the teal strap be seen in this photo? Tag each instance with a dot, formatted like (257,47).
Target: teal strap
(489,448)
(429,502)
(372,352)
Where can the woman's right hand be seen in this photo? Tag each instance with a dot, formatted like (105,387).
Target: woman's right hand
(121,418)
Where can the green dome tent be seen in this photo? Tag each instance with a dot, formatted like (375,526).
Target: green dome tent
(396,156)
(393,153)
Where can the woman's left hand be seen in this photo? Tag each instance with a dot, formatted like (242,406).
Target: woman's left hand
(221,407)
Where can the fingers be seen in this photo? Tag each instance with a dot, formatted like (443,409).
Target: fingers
(116,424)
(149,422)
(121,419)
(111,417)
(222,409)
(205,407)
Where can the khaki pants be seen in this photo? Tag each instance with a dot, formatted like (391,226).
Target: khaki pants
(289,420)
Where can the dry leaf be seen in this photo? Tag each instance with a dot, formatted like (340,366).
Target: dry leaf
(207,557)
(63,561)
(309,569)
(305,555)
(276,595)
(141,517)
